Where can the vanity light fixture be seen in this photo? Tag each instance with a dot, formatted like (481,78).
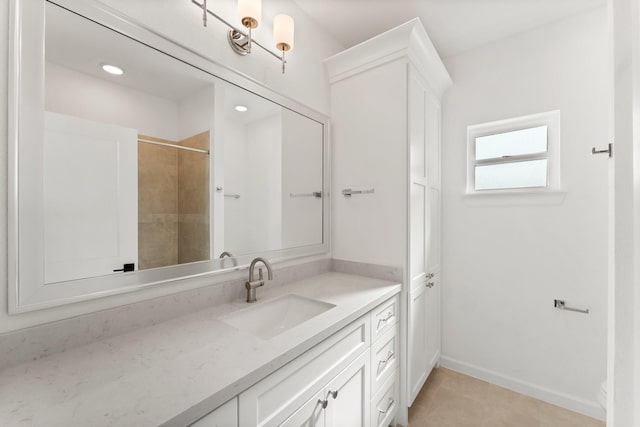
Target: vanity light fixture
(250,12)
(112,69)
(241,108)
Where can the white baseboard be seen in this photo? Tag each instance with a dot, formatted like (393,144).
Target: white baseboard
(572,403)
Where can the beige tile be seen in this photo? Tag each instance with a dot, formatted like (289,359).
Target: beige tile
(157,241)
(417,415)
(453,399)
(452,408)
(554,416)
(200,141)
(173,184)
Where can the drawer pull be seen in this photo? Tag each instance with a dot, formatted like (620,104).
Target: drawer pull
(389,405)
(385,320)
(325,402)
(389,356)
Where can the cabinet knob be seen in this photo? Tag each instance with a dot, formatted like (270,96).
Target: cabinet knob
(325,402)
(430,285)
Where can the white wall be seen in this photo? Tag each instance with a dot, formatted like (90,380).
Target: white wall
(304,82)
(504,265)
(236,211)
(81,95)
(196,113)
(253,169)
(301,174)
(76,94)
(263,169)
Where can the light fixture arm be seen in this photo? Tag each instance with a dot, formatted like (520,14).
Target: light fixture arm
(239,40)
(204,13)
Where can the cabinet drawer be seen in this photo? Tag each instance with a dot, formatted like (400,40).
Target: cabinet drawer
(384,358)
(384,405)
(270,401)
(383,317)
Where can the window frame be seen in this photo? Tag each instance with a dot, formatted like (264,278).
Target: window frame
(551,119)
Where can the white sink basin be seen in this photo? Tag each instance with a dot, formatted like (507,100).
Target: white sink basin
(270,318)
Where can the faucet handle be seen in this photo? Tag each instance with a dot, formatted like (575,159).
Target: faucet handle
(260,275)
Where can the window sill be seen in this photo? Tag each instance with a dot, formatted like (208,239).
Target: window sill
(515,198)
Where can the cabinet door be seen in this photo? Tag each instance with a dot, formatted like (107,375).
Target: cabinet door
(311,414)
(351,405)
(432,132)
(433,322)
(417,341)
(225,416)
(274,399)
(418,203)
(419,213)
(434,247)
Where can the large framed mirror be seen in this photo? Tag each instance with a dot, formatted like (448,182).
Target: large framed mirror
(135,162)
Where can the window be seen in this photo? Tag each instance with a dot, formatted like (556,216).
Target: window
(518,155)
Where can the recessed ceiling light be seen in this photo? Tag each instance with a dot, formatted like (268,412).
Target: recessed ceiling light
(241,108)
(112,69)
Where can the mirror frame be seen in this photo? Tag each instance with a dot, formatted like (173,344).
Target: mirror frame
(27,291)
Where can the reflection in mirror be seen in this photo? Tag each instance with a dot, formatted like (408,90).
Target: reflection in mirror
(149,162)
(272,175)
(121,187)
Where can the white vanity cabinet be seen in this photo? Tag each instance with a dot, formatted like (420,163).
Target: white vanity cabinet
(343,402)
(291,395)
(348,380)
(385,102)
(385,361)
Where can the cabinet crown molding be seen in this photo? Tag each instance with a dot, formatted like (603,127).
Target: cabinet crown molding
(409,40)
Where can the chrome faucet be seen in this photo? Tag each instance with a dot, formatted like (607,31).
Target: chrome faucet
(252,284)
(226,254)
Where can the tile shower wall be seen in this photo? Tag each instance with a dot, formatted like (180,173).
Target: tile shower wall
(173,203)
(157,205)
(193,201)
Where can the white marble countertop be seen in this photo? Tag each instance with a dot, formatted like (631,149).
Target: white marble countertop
(174,372)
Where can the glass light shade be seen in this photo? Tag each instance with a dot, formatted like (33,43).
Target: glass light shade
(283,32)
(250,12)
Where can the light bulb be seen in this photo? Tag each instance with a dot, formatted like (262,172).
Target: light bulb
(250,12)
(112,69)
(283,32)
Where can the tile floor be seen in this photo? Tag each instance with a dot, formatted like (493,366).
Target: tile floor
(451,399)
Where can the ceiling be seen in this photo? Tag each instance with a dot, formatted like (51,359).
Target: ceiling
(454,26)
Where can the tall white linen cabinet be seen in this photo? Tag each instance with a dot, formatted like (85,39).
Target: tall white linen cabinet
(385,133)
